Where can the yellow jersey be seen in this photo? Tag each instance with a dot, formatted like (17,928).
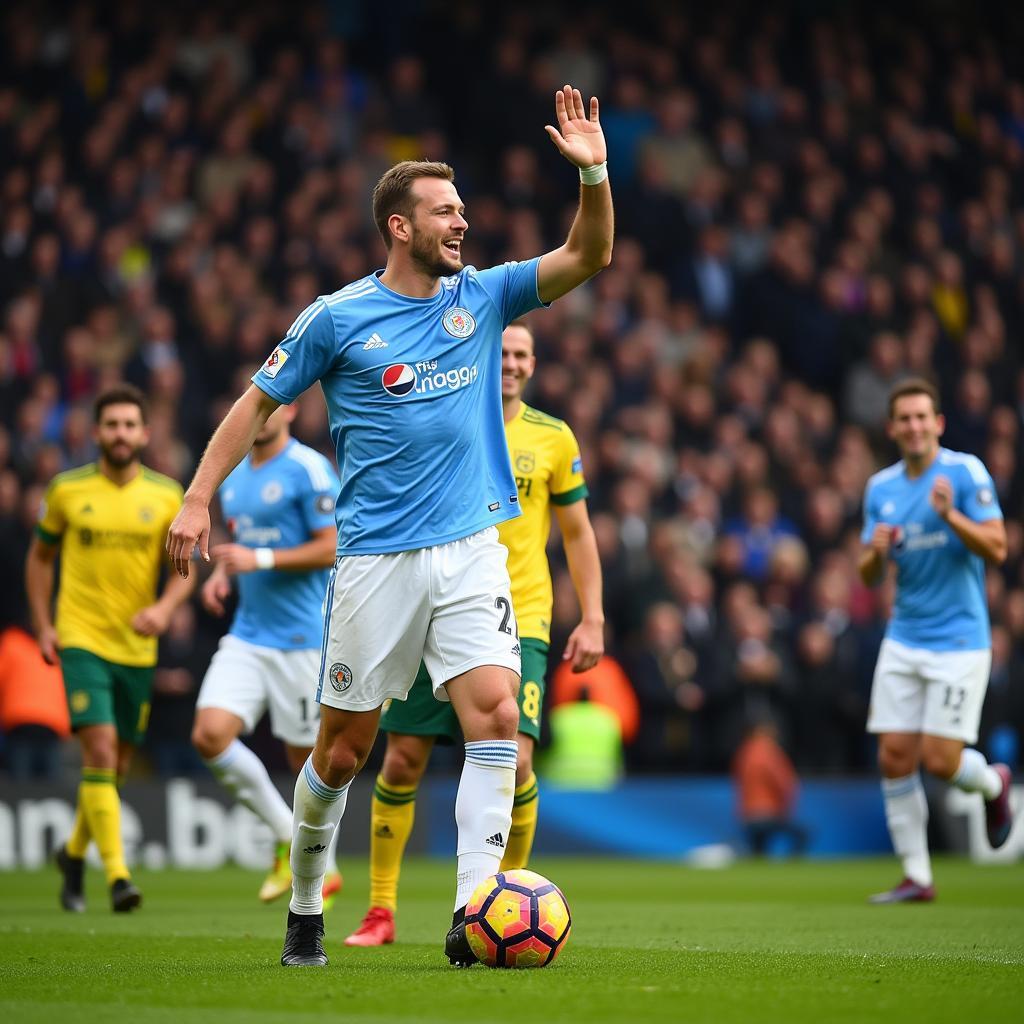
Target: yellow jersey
(548,470)
(112,549)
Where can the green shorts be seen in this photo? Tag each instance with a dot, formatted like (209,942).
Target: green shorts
(100,692)
(421,714)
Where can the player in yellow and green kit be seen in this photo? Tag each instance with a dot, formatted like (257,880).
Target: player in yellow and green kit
(549,475)
(107,520)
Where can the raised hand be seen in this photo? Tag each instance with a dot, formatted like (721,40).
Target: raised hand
(942,496)
(578,138)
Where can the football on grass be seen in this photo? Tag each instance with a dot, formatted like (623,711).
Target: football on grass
(517,919)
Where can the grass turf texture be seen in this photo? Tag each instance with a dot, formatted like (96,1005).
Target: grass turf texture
(787,942)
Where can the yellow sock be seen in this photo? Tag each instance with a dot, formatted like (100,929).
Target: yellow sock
(524,825)
(78,842)
(101,805)
(391,818)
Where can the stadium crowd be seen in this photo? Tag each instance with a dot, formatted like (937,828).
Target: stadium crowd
(808,209)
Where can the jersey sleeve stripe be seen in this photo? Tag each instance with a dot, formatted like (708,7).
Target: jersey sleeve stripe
(971,463)
(570,497)
(884,474)
(304,319)
(342,296)
(314,467)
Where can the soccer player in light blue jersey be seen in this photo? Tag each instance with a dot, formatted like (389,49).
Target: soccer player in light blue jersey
(936,516)
(278,505)
(409,359)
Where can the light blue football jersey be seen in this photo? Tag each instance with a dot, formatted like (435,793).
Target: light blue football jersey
(413,390)
(279,504)
(940,584)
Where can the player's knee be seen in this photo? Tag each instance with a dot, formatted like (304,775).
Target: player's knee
(100,752)
(939,763)
(343,761)
(503,719)
(208,742)
(895,762)
(403,765)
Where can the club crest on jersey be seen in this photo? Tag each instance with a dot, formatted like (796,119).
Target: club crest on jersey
(341,677)
(525,462)
(458,322)
(398,379)
(275,361)
(272,492)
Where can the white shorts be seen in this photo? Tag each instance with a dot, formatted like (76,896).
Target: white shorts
(449,605)
(247,680)
(937,693)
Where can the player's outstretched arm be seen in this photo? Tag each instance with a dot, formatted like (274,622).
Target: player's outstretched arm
(585,645)
(588,248)
(230,441)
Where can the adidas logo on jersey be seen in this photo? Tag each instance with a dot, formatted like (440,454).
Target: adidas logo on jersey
(496,840)
(376,341)
(319,848)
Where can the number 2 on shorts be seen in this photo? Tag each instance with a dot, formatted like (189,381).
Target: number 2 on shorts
(508,620)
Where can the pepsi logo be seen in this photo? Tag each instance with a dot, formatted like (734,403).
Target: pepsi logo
(398,379)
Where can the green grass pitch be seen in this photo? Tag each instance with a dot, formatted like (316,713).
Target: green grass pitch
(787,942)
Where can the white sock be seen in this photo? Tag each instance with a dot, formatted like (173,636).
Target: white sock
(242,773)
(318,809)
(332,852)
(483,812)
(976,775)
(906,814)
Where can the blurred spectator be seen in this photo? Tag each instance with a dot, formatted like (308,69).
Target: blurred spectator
(586,745)
(758,531)
(766,789)
(33,708)
(606,684)
(665,674)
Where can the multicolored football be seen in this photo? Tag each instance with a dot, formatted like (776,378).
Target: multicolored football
(517,919)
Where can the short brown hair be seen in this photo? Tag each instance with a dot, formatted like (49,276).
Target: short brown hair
(393,193)
(521,322)
(120,394)
(914,386)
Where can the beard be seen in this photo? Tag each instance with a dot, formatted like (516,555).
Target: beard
(120,455)
(427,259)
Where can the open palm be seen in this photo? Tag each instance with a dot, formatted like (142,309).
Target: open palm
(579,138)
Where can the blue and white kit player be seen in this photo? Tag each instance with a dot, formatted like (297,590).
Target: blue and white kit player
(278,506)
(934,514)
(409,359)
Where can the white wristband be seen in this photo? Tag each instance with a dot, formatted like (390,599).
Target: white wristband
(594,174)
(264,558)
